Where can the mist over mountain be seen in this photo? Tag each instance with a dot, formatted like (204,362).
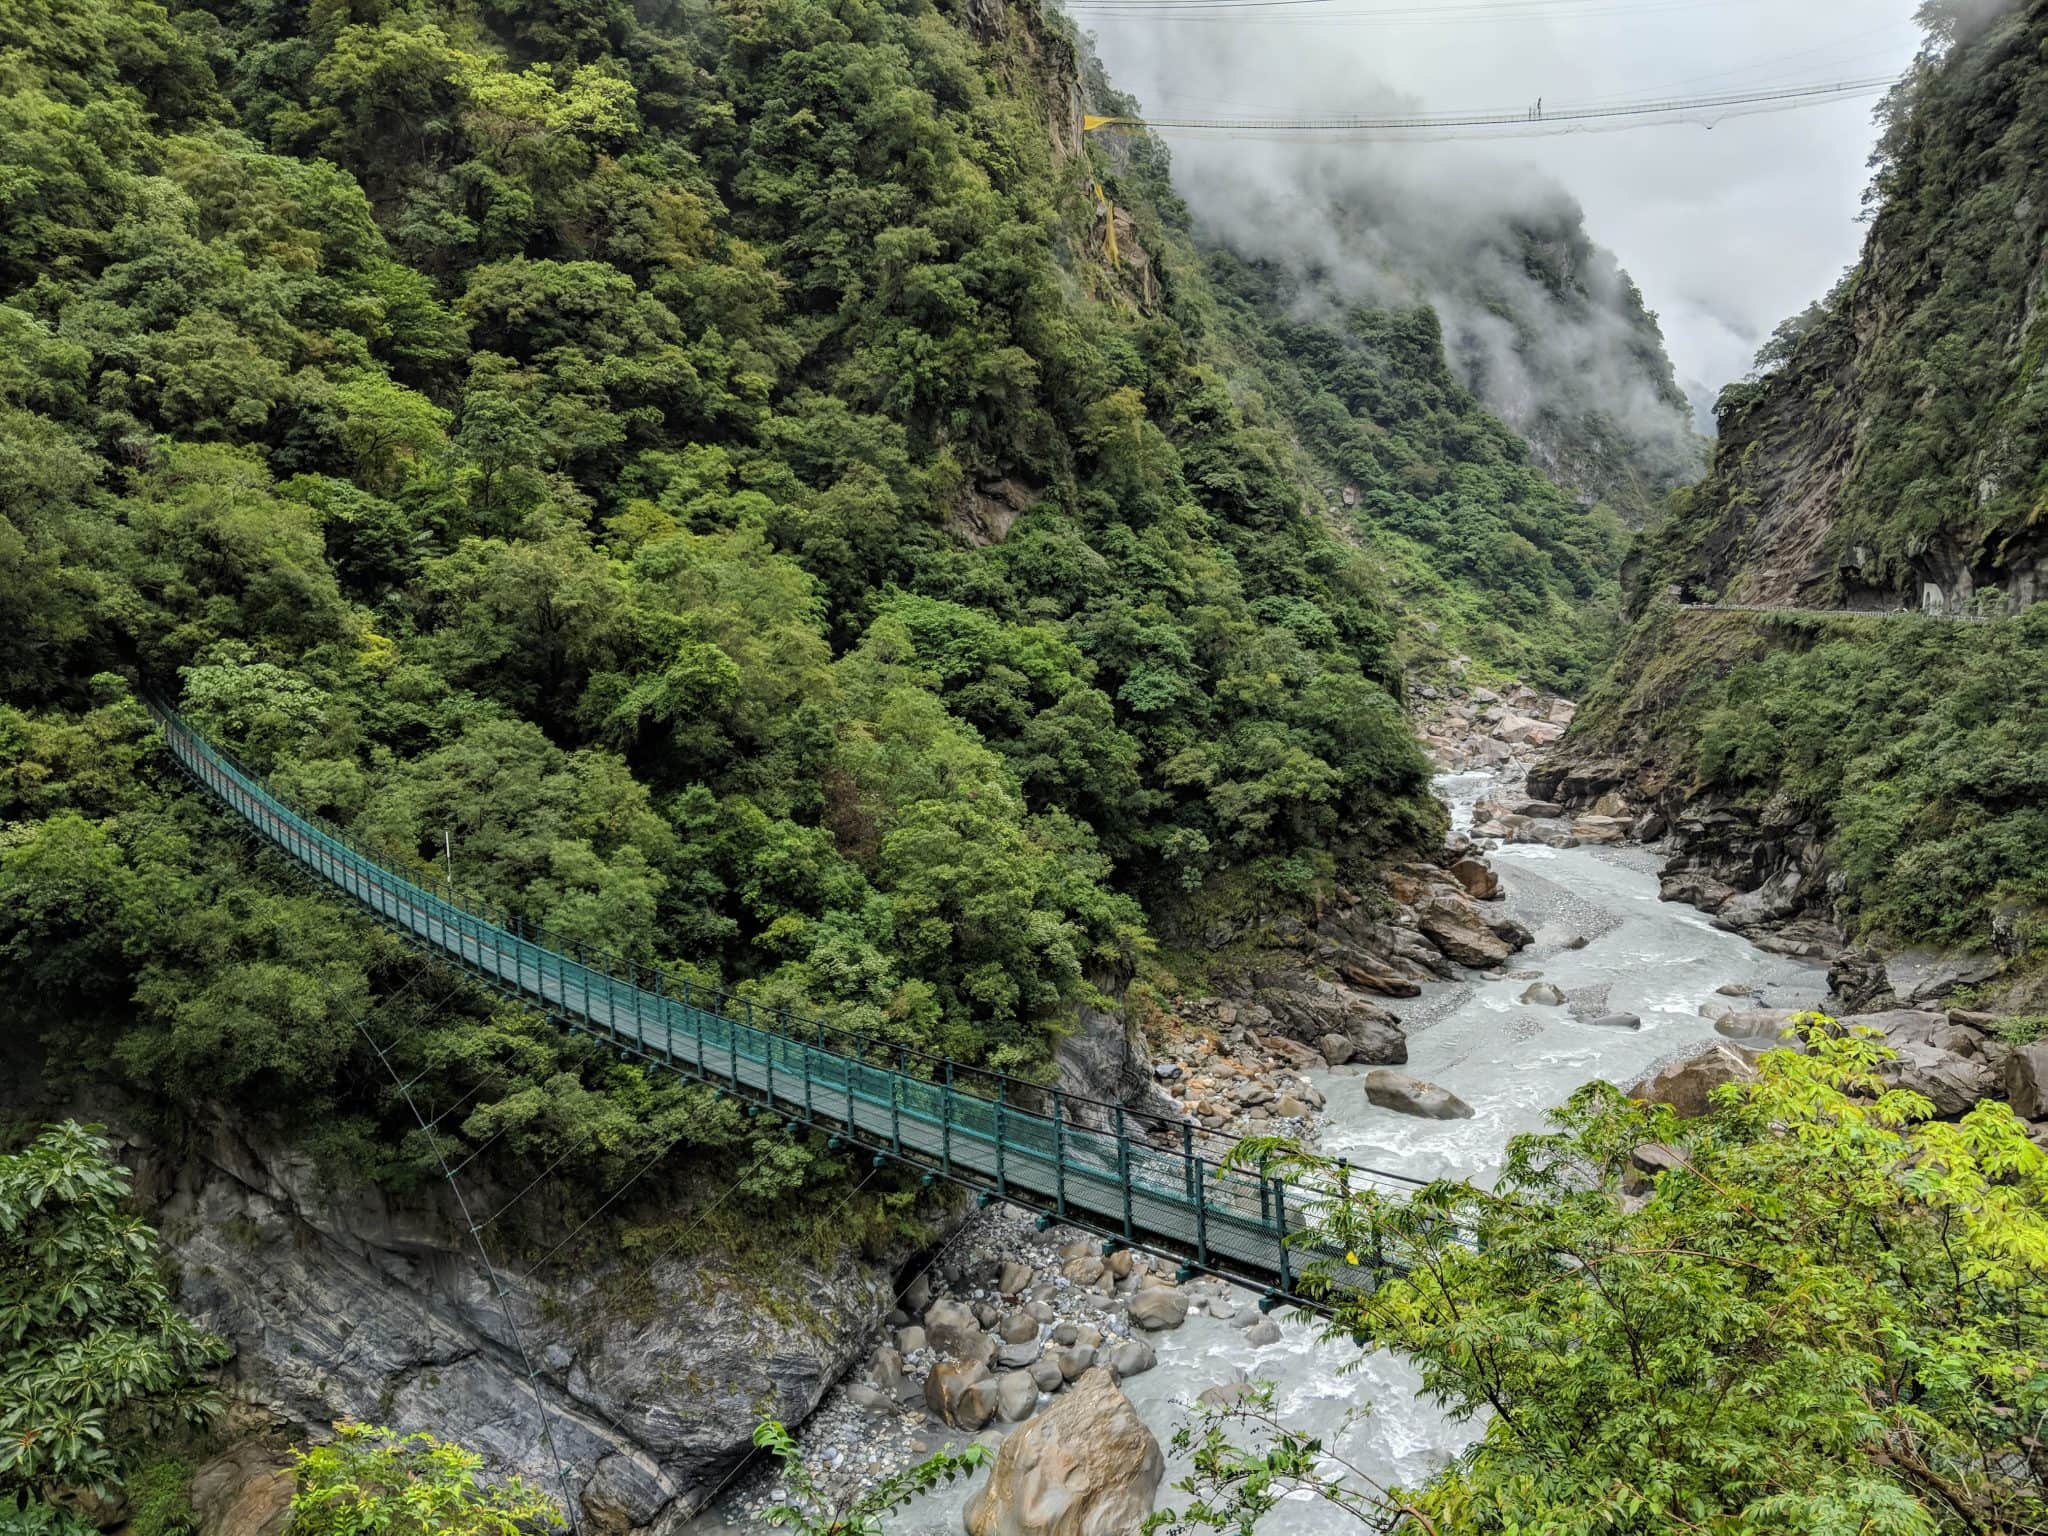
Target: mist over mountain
(1538,320)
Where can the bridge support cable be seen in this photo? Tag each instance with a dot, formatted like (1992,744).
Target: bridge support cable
(1498,123)
(1138,1178)
(498,1290)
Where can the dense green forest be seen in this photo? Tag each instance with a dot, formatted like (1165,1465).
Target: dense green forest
(701,467)
(1892,448)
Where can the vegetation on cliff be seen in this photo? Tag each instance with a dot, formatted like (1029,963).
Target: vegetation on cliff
(1820,1311)
(95,1361)
(1894,446)
(699,472)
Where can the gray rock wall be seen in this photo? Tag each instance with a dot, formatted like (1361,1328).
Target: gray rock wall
(344,1302)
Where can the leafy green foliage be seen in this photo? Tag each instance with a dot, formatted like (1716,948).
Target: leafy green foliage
(370,1482)
(96,1359)
(1826,1314)
(692,470)
(812,1513)
(1919,747)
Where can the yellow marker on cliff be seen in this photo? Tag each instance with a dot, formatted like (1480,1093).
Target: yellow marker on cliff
(1091,121)
(1108,226)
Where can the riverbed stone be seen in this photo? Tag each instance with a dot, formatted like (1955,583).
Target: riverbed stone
(1686,1085)
(1616,1021)
(1087,1466)
(1132,1357)
(1085,1270)
(1478,879)
(1159,1307)
(961,1393)
(1337,1049)
(1016,1397)
(1265,1331)
(1016,1278)
(953,1331)
(1018,1328)
(1543,994)
(911,1339)
(1072,1362)
(917,1295)
(1455,926)
(1047,1374)
(2026,1080)
(1407,1095)
(1754,1023)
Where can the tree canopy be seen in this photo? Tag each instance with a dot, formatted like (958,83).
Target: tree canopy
(1824,1311)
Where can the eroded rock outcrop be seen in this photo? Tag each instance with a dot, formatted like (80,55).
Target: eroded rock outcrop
(343,1301)
(1087,1466)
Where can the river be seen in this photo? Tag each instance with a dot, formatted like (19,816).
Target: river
(1511,1063)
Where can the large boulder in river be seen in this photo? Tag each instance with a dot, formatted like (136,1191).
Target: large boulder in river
(2026,1081)
(1306,1008)
(1766,1024)
(1685,1085)
(1951,1064)
(953,1331)
(1455,925)
(1159,1307)
(1478,878)
(1087,1466)
(1407,1095)
(962,1393)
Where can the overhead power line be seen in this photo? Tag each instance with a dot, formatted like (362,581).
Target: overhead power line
(1489,12)
(1516,122)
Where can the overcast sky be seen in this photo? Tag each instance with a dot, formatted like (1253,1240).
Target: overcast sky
(1727,232)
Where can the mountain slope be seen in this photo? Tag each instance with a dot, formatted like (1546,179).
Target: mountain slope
(1886,771)
(749,486)
(1539,322)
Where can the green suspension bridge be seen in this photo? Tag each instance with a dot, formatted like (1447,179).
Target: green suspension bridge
(1135,1179)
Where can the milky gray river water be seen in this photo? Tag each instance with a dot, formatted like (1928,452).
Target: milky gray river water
(1511,1063)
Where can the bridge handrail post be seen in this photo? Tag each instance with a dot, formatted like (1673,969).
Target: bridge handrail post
(1059,1158)
(1123,1168)
(1201,1216)
(946,1121)
(1280,1213)
(1187,1157)
(1002,1182)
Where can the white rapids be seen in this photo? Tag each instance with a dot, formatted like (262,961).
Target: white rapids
(1512,1063)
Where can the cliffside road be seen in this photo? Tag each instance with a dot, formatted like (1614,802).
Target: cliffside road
(1840,613)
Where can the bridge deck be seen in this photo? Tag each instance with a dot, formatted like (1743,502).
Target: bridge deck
(1169,1199)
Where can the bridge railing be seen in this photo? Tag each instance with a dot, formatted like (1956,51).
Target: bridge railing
(1137,1175)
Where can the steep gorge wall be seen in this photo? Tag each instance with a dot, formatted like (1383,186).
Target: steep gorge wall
(1899,456)
(1862,773)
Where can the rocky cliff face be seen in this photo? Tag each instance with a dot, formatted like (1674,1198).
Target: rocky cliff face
(1831,776)
(345,1302)
(1893,459)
